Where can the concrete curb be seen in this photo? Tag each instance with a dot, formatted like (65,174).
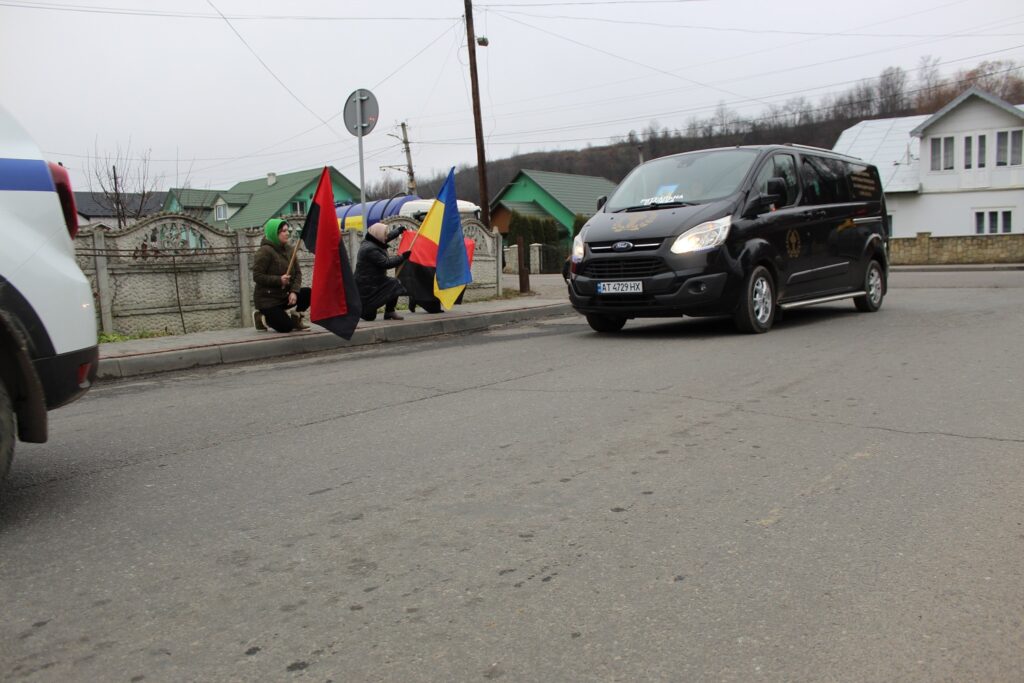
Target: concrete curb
(963,268)
(132,365)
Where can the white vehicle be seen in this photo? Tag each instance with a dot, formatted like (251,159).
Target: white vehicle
(48,345)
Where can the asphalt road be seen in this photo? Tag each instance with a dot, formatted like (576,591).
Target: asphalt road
(837,500)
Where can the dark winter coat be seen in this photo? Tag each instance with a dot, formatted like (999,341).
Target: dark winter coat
(372,265)
(269,264)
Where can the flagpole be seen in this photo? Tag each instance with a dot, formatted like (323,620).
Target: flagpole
(291,261)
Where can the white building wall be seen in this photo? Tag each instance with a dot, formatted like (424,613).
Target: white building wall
(950,214)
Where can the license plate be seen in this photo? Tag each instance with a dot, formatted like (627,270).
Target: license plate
(625,287)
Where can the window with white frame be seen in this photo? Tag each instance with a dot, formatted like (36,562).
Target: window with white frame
(221,212)
(942,154)
(298,207)
(1008,147)
(993,221)
(981,151)
(968,151)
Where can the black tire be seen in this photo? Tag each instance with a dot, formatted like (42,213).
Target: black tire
(756,310)
(605,323)
(874,288)
(6,430)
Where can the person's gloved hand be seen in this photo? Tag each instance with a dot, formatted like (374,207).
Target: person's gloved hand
(406,254)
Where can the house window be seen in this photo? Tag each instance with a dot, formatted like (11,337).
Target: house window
(993,222)
(298,207)
(942,154)
(968,152)
(981,151)
(221,212)
(1008,147)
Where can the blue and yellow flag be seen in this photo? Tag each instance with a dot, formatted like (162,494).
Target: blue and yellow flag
(442,245)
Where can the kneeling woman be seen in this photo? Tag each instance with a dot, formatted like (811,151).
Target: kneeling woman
(376,289)
(276,290)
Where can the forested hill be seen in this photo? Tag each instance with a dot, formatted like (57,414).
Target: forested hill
(798,120)
(616,160)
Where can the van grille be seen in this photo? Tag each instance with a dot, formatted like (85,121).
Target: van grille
(616,268)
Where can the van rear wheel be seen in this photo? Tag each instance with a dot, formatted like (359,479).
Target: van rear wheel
(6,430)
(874,289)
(756,310)
(605,323)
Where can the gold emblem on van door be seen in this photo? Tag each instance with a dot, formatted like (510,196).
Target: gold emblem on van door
(793,243)
(634,223)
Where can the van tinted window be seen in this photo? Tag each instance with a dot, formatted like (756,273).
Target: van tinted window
(779,166)
(824,180)
(864,182)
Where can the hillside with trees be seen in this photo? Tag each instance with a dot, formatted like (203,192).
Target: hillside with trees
(799,120)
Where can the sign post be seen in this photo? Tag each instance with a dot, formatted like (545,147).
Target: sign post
(360,114)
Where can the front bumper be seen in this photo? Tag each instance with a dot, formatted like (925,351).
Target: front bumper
(669,294)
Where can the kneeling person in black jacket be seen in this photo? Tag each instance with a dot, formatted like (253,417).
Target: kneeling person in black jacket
(376,289)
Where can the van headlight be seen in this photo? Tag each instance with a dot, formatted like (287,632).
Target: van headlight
(704,236)
(578,249)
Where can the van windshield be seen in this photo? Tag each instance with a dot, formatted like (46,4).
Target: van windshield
(681,180)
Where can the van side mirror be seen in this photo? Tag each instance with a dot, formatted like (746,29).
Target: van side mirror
(775,196)
(601,201)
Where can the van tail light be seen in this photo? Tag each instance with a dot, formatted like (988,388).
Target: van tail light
(62,182)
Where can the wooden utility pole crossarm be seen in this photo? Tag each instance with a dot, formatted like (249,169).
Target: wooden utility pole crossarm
(481,161)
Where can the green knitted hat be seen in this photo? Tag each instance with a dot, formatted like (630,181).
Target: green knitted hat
(271,229)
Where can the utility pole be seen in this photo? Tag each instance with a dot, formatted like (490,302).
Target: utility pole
(481,162)
(408,159)
(411,185)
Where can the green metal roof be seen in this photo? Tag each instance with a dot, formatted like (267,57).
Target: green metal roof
(235,198)
(189,198)
(271,200)
(529,209)
(577,193)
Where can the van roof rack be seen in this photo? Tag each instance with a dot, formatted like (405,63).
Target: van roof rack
(817,149)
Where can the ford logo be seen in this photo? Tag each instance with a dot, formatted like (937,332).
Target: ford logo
(622,246)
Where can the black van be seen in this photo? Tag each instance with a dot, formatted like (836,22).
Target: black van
(737,231)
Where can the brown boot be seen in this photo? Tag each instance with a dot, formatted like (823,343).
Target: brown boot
(392,315)
(298,323)
(257,321)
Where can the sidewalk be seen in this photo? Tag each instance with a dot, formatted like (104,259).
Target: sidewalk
(217,347)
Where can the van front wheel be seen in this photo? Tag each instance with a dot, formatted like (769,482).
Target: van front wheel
(605,323)
(6,430)
(756,310)
(874,289)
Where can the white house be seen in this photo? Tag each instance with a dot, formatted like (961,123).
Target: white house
(957,172)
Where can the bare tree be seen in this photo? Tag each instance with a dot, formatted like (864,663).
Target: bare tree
(385,188)
(125,183)
(892,91)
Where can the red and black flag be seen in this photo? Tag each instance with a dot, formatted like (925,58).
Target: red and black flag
(334,299)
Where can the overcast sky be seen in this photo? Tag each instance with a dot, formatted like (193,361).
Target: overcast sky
(219,100)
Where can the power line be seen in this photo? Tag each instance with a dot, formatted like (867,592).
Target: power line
(624,59)
(763,30)
(93,9)
(267,67)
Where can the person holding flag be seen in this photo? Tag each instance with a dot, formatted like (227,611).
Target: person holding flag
(376,289)
(278,282)
(439,267)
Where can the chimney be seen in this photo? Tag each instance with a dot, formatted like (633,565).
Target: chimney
(271,178)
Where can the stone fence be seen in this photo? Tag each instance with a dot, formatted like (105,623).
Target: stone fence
(171,273)
(927,250)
